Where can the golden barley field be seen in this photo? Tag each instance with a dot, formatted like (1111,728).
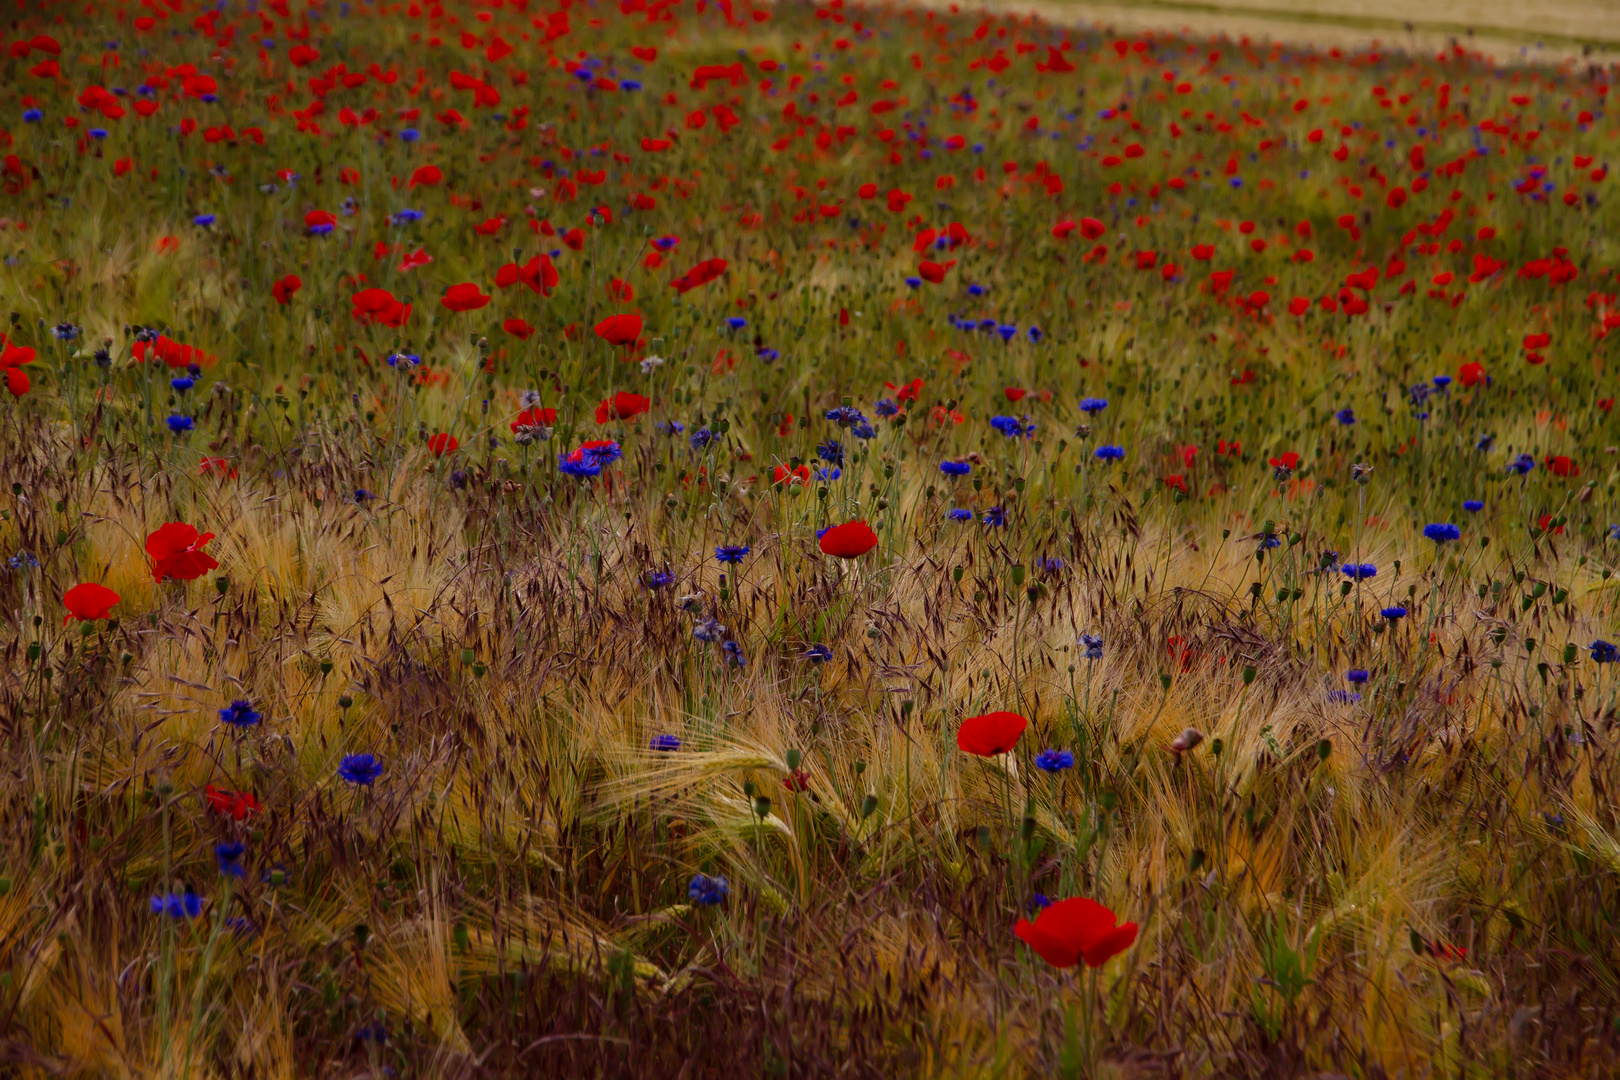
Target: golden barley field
(674,539)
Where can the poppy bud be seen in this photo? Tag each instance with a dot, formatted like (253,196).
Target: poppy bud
(1324,749)
(793,758)
(1248,674)
(762,807)
(1189,738)
(869,806)
(345,701)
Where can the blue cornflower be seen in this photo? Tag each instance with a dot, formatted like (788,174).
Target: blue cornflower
(629,84)
(405,216)
(708,630)
(1012,427)
(23,560)
(831,451)
(409,135)
(1344,697)
(362,496)
(1442,381)
(975,289)
(581,469)
(180,424)
(1442,532)
(736,322)
(1473,506)
(995,517)
(230,858)
(1345,417)
(1052,566)
(700,438)
(825,475)
(186,905)
(863,431)
(671,427)
(1093,404)
(32,116)
(955,468)
(98,133)
(1034,334)
(1359,571)
(240,713)
(1393,613)
(321,230)
(734,654)
(1270,542)
(1356,676)
(707,891)
(1008,331)
(959,514)
(360,769)
(1522,464)
(1603,652)
(1094,646)
(659,579)
(65,331)
(665,744)
(181,383)
(767,354)
(1109,453)
(1054,761)
(1038,902)
(204,220)
(1485,443)
(846,416)
(914,282)
(403,359)
(731,553)
(818,654)
(886,407)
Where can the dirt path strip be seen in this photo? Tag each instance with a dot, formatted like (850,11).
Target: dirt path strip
(1554,32)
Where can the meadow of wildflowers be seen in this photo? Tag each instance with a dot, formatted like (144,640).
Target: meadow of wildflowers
(673,538)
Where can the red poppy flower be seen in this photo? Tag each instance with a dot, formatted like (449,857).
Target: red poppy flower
(934,272)
(701,274)
(1014,393)
(850,540)
(464,297)
(1471,374)
(990,734)
(539,274)
(784,476)
(216,466)
(1289,461)
(1077,929)
(282,291)
(535,417)
(1562,466)
(1177,481)
(426,175)
(443,443)
(620,329)
(88,602)
(319,217)
(621,406)
(177,552)
(1091,228)
(378,306)
(239,804)
(518,328)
